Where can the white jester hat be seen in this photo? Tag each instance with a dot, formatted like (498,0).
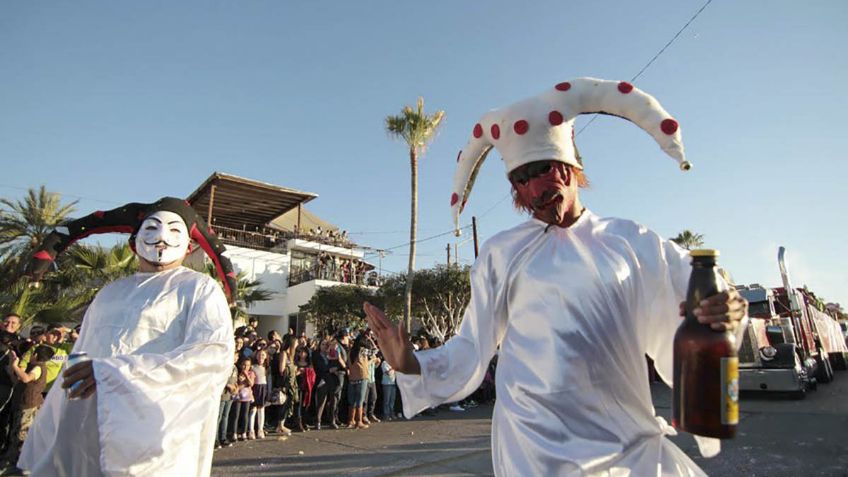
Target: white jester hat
(542,128)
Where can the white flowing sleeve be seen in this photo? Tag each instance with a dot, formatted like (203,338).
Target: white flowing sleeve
(453,371)
(151,405)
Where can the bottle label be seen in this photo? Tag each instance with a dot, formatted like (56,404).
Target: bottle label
(730,391)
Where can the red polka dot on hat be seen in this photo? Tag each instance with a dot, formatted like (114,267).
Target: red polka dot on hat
(565,86)
(496,131)
(478,130)
(669,126)
(454,199)
(625,87)
(555,118)
(521,126)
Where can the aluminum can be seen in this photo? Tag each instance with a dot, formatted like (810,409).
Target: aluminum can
(73,359)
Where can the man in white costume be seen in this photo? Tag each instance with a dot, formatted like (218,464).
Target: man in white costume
(160,344)
(573,301)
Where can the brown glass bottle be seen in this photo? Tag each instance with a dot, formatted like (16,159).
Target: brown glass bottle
(706,370)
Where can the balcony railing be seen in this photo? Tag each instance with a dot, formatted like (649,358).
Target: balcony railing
(361,278)
(273,240)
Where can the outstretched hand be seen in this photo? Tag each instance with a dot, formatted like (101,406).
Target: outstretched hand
(722,311)
(393,341)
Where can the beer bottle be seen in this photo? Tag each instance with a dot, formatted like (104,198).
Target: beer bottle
(706,370)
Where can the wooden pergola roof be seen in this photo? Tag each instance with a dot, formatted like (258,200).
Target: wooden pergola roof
(232,201)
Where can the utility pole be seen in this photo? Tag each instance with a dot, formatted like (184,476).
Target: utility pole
(447,248)
(474,231)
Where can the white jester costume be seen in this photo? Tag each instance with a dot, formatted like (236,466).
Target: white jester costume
(161,348)
(573,310)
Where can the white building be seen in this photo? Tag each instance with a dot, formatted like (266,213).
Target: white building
(272,238)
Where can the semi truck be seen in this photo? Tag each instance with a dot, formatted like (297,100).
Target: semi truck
(788,343)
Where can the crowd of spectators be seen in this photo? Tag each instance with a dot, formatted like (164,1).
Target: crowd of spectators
(28,368)
(278,384)
(329,237)
(332,267)
(289,383)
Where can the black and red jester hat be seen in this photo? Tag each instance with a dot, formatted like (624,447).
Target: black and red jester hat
(127,219)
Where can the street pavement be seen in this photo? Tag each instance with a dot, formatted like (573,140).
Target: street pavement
(777,438)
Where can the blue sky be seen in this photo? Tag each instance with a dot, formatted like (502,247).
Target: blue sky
(129,101)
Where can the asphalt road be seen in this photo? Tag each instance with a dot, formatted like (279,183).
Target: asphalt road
(777,438)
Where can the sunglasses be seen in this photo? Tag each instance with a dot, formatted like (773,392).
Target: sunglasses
(523,174)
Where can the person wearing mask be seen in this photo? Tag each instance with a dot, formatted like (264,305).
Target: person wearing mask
(159,344)
(572,301)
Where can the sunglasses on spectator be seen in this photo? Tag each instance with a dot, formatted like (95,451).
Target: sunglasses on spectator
(523,174)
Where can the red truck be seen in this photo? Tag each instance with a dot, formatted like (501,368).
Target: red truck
(789,345)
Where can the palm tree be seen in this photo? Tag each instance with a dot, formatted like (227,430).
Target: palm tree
(24,224)
(689,240)
(87,269)
(63,296)
(417,129)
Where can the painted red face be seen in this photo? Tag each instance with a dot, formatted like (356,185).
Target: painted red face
(551,194)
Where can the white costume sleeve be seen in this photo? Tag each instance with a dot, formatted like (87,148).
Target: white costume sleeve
(148,403)
(453,371)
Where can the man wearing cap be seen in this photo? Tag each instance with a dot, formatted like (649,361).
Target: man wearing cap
(54,338)
(572,301)
(160,347)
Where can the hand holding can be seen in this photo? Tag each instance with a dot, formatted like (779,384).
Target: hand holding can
(78,377)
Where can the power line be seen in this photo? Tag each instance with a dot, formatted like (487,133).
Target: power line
(422,240)
(657,55)
(507,196)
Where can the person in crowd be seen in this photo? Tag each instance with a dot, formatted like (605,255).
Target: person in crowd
(340,359)
(324,384)
(12,325)
(371,380)
(256,421)
(227,396)
(389,390)
(289,374)
(244,398)
(54,337)
(28,396)
(251,326)
(358,385)
(275,338)
(584,297)
(305,384)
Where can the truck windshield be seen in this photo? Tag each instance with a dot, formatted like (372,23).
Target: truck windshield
(759,309)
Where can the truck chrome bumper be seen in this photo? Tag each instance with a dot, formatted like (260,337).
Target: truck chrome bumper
(770,380)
